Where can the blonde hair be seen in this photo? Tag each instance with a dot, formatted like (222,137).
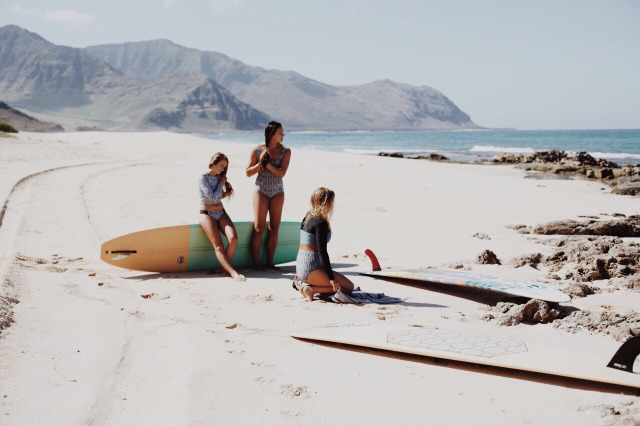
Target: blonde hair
(321,204)
(215,159)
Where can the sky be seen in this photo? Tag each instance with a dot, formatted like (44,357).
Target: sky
(544,64)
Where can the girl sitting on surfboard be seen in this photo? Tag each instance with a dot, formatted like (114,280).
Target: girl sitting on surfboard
(312,264)
(213,218)
(270,161)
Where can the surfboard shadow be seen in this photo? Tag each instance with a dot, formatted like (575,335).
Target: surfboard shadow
(478,295)
(286,273)
(549,379)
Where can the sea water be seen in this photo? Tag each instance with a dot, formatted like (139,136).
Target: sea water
(619,146)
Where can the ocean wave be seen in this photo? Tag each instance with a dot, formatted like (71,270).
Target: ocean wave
(367,151)
(620,155)
(513,150)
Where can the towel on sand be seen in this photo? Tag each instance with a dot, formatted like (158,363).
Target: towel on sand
(358,297)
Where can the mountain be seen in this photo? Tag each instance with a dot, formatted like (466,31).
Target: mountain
(297,101)
(77,87)
(24,122)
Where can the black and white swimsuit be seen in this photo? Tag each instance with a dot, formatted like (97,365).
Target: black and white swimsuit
(267,183)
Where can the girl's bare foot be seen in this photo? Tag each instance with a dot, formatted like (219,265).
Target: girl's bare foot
(258,267)
(238,277)
(307,293)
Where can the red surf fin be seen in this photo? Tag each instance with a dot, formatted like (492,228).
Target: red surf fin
(375,266)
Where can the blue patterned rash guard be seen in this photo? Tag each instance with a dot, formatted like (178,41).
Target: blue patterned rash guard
(211,189)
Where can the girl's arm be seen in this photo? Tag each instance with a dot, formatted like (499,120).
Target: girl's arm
(254,165)
(212,193)
(282,170)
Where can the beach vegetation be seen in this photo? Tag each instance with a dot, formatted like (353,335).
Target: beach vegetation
(7,128)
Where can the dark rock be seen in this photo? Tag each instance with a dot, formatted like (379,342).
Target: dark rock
(578,290)
(391,154)
(507,158)
(633,282)
(535,311)
(627,227)
(481,236)
(437,157)
(531,259)
(488,257)
(551,156)
(620,327)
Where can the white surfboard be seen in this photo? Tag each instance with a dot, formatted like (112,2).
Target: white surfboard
(486,350)
(465,279)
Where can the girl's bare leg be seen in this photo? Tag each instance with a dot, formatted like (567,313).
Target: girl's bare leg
(260,208)
(319,283)
(212,231)
(275,216)
(228,228)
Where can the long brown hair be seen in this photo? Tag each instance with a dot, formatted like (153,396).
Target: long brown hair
(321,204)
(269,131)
(218,157)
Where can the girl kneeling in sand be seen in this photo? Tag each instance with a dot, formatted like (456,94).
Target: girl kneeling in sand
(312,264)
(213,188)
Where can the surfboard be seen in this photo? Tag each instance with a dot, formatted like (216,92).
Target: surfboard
(187,248)
(494,351)
(459,278)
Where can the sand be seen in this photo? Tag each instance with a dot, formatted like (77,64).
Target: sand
(93,344)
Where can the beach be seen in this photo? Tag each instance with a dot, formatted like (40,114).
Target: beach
(81,345)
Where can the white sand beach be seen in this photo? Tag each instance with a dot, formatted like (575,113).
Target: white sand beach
(85,347)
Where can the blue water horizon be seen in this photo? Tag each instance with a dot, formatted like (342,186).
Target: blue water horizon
(621,146)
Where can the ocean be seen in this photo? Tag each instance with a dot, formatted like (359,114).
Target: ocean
(619,146)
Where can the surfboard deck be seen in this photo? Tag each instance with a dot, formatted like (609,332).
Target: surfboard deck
(187,248)
(481,349)
(459,278)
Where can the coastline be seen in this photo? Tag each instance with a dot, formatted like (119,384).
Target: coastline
(206,349)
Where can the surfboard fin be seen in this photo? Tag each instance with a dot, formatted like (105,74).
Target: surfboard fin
(626,355)
(375,266)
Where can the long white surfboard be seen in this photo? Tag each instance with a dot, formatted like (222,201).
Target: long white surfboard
(486,350)
(459,278)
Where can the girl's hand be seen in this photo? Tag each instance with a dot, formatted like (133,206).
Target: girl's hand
(223,179)
(335,285)
(264,156)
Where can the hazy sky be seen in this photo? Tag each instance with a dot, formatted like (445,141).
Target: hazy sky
(543,64)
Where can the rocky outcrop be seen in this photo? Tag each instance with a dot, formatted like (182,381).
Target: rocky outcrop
(488,257)
(24,122)
(619,326)
(589,251)
(627,227)
(432,156)
(535,311)
(208,103)
(623,180)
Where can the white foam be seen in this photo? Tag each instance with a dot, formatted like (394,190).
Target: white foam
(613,155)
(513,150)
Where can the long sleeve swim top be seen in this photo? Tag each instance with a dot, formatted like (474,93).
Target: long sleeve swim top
(315,232)
(211,189)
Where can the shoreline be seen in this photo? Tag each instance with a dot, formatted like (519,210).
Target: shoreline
(202,344)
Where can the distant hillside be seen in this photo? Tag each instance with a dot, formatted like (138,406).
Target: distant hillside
(299,102)
(24,122)
(77,88)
